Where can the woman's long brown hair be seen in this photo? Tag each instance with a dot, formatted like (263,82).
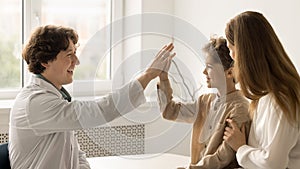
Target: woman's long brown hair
(262,65)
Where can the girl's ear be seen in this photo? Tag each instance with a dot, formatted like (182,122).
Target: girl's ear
(230,74)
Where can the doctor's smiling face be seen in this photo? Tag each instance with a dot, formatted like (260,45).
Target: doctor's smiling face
(51,52)
(60,71)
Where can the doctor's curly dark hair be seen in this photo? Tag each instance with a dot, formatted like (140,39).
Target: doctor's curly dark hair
(44,45)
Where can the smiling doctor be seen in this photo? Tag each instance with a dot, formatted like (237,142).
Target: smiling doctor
(43,117)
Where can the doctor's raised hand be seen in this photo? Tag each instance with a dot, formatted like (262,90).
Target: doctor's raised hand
(44,117)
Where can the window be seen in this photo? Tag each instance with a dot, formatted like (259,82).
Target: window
(20,18)
(10,44)
(87,19)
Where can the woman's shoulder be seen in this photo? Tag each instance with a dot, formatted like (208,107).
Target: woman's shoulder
(267,101)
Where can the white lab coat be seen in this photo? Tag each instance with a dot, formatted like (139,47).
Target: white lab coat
(42,124)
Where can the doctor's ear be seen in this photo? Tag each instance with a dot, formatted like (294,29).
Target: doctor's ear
(45,65)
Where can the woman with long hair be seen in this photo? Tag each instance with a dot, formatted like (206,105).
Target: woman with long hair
(269,79)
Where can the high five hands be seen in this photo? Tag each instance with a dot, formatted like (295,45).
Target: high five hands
(160,64)
(162,60)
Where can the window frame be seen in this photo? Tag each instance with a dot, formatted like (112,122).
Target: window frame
(31,10)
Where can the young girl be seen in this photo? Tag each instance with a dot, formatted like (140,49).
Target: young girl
(209,113)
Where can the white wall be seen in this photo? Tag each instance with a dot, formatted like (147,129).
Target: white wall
(211,17)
